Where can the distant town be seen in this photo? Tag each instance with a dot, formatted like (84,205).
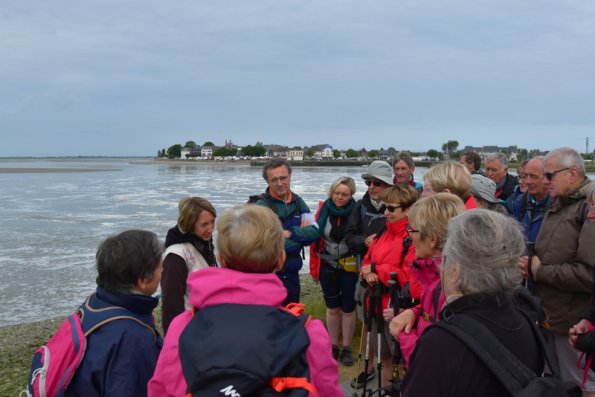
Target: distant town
(229,151)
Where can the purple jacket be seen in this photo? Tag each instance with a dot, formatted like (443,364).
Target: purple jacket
(213,286)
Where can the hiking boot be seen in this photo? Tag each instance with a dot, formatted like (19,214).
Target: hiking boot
(335,352)
(346,356)
(361,379)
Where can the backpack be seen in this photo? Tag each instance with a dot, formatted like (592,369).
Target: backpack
(55,363)
(519,380)
(246,350)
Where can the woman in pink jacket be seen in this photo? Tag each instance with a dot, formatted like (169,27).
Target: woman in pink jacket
(428,222)
(250,245)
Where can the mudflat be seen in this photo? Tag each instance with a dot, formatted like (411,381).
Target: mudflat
(48,170)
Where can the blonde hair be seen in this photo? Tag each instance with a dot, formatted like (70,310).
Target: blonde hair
(452,176)
(430,215)
(250,239)
(405,195)
(343,180)
(190,209)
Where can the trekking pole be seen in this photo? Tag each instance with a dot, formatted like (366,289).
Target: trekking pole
(360,355)
(379,328)
(393,284)
(368,321)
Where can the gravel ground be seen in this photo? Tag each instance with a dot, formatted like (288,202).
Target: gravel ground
(19,342)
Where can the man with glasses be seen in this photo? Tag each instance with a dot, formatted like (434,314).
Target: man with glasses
(366,220)
(497,170)
(529,208)
(562,267)
(299,226)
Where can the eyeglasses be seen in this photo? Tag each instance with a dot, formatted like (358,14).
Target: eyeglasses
(550,175)
(392,208)
(374,182)
(274,181)
(410,230)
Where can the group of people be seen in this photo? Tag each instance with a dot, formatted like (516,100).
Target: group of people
(402,258)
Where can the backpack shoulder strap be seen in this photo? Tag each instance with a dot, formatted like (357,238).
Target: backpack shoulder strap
(362,211)
(437,293)
(92,319)
(581,214)
(509,370)
(263,197)
(280,384)
(406,245)
(523,205)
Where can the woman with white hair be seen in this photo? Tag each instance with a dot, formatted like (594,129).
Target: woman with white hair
(479,276)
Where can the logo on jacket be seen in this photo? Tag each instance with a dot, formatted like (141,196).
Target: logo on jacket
(230,391)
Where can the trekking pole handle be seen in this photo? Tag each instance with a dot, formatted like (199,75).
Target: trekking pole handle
(394,299)
(395,293)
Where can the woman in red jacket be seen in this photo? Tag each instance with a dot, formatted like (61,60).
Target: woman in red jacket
(390,253)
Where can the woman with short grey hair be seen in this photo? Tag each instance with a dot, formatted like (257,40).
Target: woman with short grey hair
(486,249)
(479,277)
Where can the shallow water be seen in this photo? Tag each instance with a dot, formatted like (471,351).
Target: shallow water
(52,223)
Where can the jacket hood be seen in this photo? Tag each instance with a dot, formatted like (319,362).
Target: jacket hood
(582,190)
(579,194)
(215,286)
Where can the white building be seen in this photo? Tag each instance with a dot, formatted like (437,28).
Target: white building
(296,154)
(206,152)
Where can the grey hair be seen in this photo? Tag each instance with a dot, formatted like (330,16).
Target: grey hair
(274,163)
(486,246)
(501,157)
(406,157)
(342,180)
(566,158)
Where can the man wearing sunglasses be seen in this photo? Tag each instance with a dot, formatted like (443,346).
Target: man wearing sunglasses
(366,220)
(562,267)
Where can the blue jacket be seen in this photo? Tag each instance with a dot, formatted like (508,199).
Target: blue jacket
(121,355)
(529,212)
(290,214)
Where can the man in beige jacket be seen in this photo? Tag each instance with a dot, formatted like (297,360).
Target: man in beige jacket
(565,256)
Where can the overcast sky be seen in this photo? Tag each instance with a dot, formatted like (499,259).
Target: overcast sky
(117,77)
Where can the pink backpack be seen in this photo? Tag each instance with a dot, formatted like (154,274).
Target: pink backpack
(55,363)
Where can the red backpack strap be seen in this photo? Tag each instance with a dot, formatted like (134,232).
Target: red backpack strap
(297,309)
(280,384)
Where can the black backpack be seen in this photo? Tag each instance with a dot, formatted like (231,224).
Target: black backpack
(519,380)
(246,350)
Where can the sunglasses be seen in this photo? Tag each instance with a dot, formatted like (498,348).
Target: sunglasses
(392,208)
(410,230)
(374,182)
(550,175)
